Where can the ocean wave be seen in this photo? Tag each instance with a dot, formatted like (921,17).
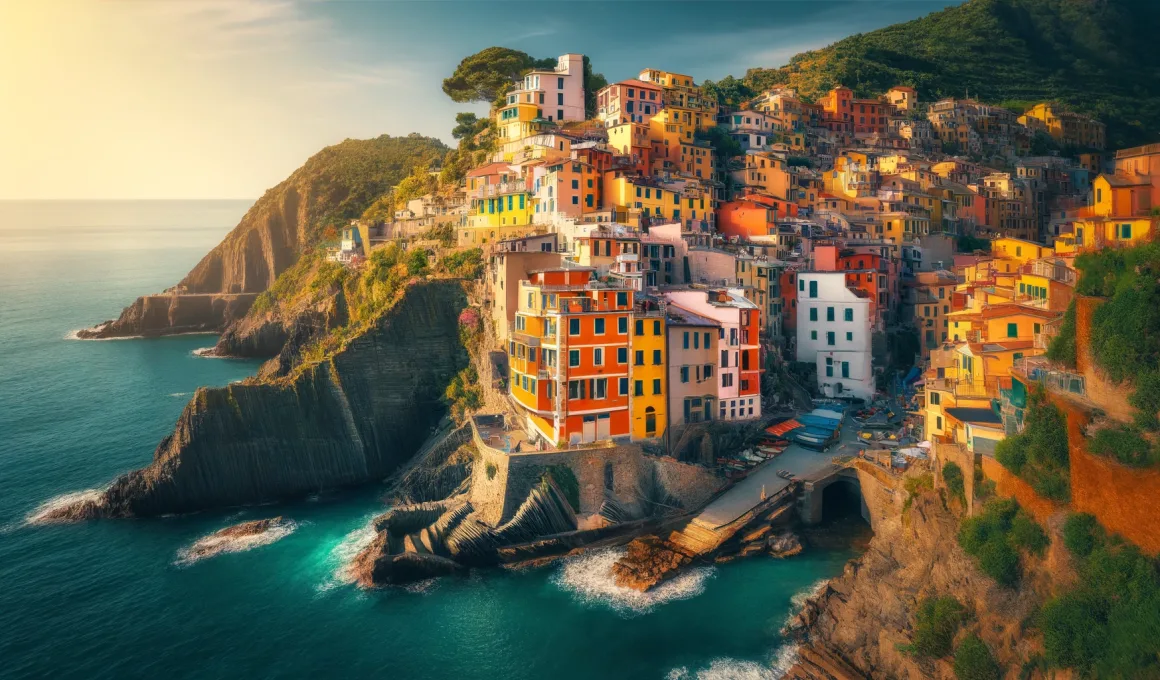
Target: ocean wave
(46,511)
(180,394)
(729,669)
(588,577)
(76,335)
(343,553)
(799,599)
(207,353)
(214,544)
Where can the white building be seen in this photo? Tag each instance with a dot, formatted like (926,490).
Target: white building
(833,332)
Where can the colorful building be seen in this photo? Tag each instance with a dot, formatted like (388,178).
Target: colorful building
(649,379)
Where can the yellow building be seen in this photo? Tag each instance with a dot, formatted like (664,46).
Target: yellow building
(1019,250)
(1064,126)
(692,106)
(649,395)
(644,194)
(518,120)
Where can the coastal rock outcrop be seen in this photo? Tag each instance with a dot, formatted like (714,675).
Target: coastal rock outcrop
(348,419)
(647,562)
(861,620)
(334,185)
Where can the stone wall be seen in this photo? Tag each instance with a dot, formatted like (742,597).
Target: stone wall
(498,496)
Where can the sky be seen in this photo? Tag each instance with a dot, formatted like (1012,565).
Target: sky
(190,99)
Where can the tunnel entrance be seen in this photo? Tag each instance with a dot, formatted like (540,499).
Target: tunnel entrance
(842,500)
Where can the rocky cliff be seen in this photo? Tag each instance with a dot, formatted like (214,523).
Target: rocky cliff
(351,418)
(334,185)
(856,625)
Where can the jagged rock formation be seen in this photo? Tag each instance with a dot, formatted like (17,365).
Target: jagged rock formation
(859,620)
(647,562)
(170,314)
(352,418)
(335,184)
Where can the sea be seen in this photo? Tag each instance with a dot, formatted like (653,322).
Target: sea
(127,598)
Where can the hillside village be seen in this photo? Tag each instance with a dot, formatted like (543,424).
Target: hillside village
(648,265)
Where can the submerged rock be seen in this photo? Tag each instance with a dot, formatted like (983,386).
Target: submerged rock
(237,538)
(785,544)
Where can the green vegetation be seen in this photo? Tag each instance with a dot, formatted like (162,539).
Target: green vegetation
(1126,444)
(1108,626)
(914,486)
(464,394)
(935,623)
(443,233)
(1125,329)
(953,477)
(995,537)
(488,74)
(491,470)
(969,244)
(973,661)
(467,264)
(344,180)
(1098,58)
(1038,454)
(566,482)
(1062,348)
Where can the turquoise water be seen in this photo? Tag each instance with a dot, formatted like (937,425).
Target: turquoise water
(115,600)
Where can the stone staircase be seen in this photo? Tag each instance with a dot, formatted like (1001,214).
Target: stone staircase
(695,539)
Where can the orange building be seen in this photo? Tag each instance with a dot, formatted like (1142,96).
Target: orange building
(569,356)
(752,215)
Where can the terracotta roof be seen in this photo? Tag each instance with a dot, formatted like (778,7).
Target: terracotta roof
(1118,180)
(1011,309)
(489,169)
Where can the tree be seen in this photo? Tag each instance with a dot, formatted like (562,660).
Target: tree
(973,661)
(418,183)
(467,125)
(489,74)
(417,262)
(593,83)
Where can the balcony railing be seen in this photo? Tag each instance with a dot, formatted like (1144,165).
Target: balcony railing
(963,389)
(491,190)
(1039,369)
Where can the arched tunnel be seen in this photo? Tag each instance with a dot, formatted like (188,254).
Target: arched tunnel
(834,498)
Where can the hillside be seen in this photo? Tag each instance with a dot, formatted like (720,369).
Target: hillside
(1098,56)
(334,185)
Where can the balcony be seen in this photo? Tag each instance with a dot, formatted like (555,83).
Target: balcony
(964,389)
(503,188)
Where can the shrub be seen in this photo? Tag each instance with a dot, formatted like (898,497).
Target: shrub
(1124,444)
(973,661)
(953,477)
(1146,399)
(995,536)
(491,470)
(567,483)
(1038,454)
(1062,347)
(914,486)
(935,624)
(1109,624)
(1081,533)
(417,262)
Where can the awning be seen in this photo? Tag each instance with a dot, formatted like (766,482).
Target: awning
(783,427)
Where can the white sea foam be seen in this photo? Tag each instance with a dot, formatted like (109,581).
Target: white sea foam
(214,545)
(589,578)
(799,599)
(207,353)
(728,669)
(43,512)
(344,552)
(180,394)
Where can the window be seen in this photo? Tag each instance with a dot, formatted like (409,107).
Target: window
(1037,328)
(531,354)
(638,357)
(598,326)
(849,336)
(656,327)
(684,374)
(938,422)
(560,99)
(935,398)
(849,314)
(624,387)
(726,380)
(1125,231)
(560,83)
(706,341)
(845,369)
(813,313)
(622,355)
(724,358)
(830,338)
(813,335)
(1012,330)
(601,389)
(622,301)
(656,385)
(576,389)
(801,284)
(622,325)
(656,357)
(708,371)
(573,357)
(640,326)
(685,341)
(813,289)
(829,313)
(598,356)
(638,388)
(829,367)
(573,326)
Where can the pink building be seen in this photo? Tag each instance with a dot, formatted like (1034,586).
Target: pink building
(629,101)
(558,92)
